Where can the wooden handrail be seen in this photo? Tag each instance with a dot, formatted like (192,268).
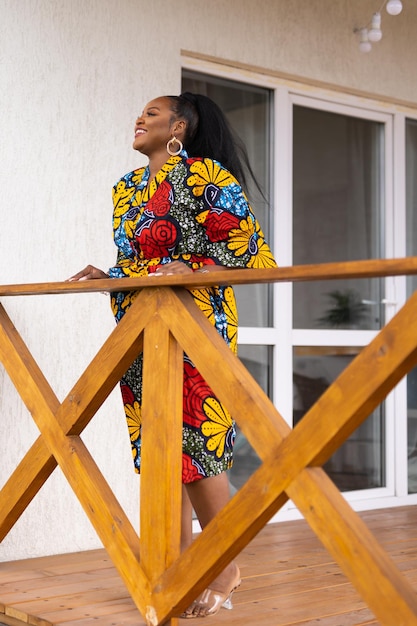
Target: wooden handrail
(164,321)
(297,273)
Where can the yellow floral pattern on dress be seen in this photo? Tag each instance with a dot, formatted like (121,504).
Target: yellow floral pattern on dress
(137,268)
(240,237)
(201,217)
(128,299)
(264,258)
(193,211)
(250,238)
(217,426)
(230,309)
(122,197)
(204,303)
(205,172)
(134,420)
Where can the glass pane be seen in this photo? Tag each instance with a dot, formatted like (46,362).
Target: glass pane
(359,463)
(248,109)
(411,234)
(246,461)
(412,430)
(337,216)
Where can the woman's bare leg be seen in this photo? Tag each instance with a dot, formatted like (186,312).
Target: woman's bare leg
(186,520)
(208,496)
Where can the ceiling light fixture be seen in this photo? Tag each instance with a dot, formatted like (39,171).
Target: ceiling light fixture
(372,33)
(375,32)
(364,43)
(394,7)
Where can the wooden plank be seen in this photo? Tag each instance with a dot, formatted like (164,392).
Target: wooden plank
(41,607)
(82,473)
(283,610)
(6,620)
(101,506)
(161,449)
(30,475)
(161,459)
(94,611)
(75,412)
(378,367)
(46,588)
(23,484)
(361,617)
(300,584)
(17,615)
(324,271)
(127,618)
(347,538)
(96,563)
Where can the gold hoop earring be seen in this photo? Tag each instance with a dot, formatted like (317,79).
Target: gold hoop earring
(169,144)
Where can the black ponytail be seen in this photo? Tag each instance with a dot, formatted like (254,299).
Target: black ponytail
(209,134)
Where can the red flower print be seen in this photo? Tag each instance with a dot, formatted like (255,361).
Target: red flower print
(127,394)
(196,391)
(158,237)
(190,470)
(160,203)
(219,223)
(196,261)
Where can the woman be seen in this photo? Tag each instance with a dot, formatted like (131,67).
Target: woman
(186,212)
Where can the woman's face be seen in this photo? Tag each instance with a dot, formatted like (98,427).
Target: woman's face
(154,127)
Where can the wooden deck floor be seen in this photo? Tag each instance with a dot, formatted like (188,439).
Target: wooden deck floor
(288,578)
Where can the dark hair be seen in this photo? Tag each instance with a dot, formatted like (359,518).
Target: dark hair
(209,134)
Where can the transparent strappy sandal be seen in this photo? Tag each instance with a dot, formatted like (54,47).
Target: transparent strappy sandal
(211,600)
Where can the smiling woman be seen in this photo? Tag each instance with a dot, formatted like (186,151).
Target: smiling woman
(151,130)
(187,211)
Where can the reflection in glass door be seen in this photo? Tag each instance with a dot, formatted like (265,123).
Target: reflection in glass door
(249,110)
(338,216)
(411,235)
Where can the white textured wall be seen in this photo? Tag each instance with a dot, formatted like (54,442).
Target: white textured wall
(73,75)
(312,38)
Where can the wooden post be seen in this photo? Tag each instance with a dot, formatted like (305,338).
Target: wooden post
(161,467)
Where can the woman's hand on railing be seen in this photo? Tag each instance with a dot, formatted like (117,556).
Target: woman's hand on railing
(176,267)
(88,273)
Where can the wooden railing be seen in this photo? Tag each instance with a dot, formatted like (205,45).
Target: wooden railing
(164,321)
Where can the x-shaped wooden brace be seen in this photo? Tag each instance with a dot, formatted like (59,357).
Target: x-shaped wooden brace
(162,582)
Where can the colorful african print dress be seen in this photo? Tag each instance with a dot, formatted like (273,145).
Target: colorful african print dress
(193,211)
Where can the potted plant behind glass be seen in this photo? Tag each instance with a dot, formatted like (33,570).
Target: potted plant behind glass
(347,310)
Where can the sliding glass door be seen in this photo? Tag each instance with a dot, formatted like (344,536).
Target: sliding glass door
(326,170)
(338,215)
